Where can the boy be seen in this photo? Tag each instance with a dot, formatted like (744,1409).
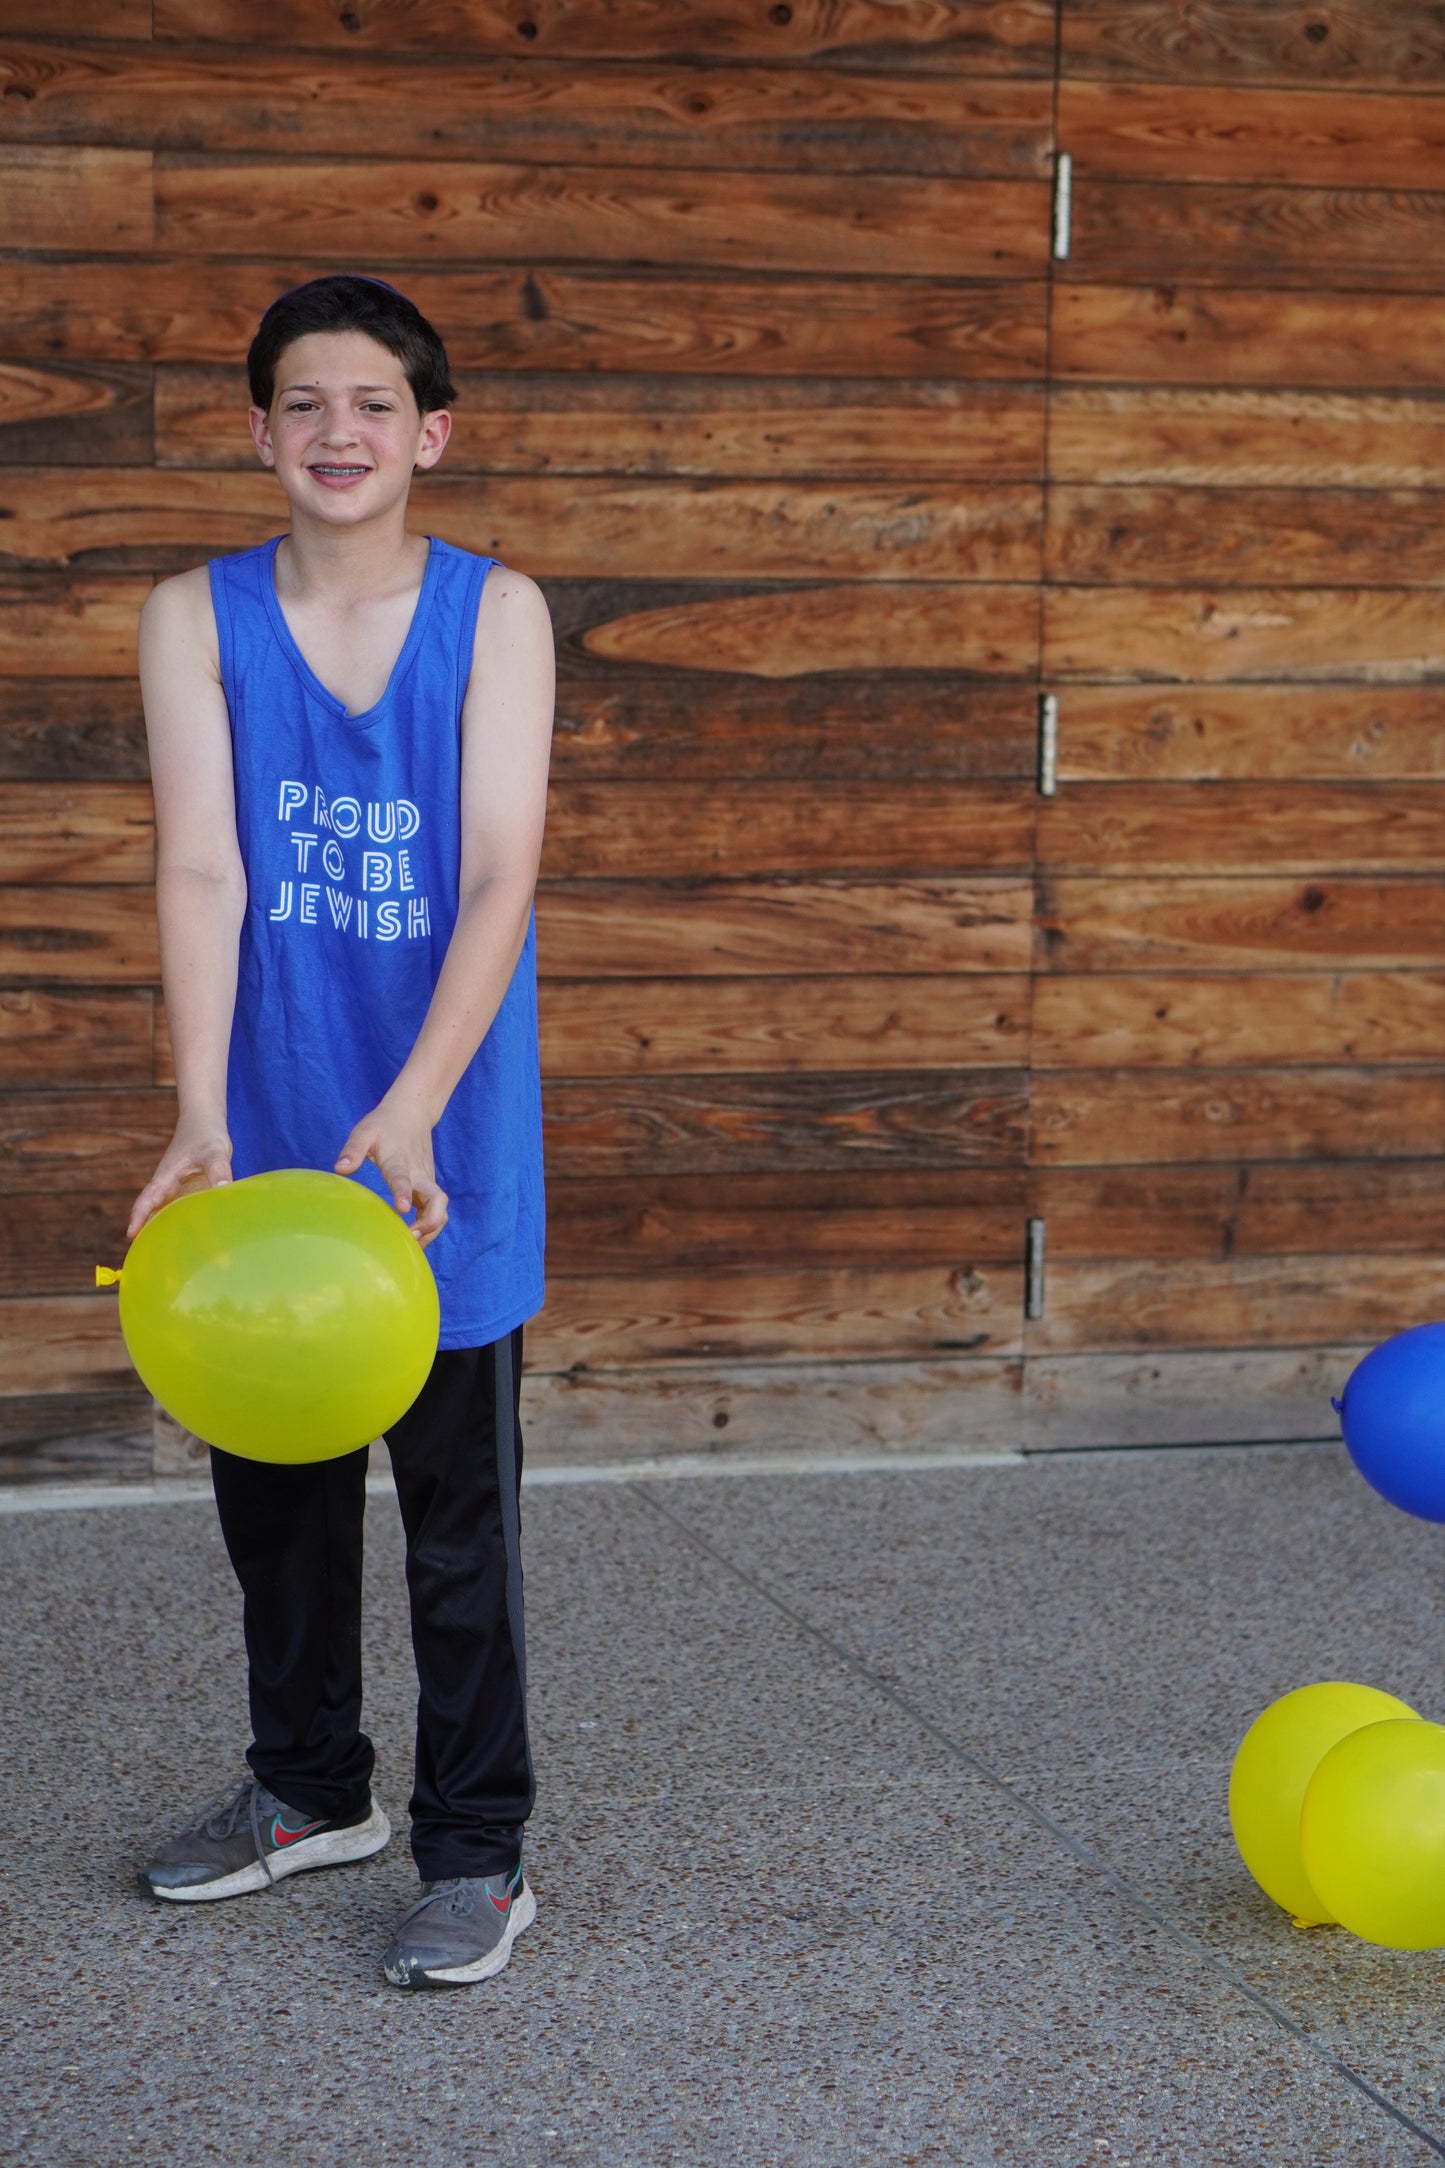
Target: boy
(349,732)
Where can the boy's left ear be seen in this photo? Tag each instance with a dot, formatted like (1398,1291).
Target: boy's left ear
(436,429)
(261,436)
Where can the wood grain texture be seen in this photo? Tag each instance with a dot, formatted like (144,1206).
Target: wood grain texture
(100,832)
(572,527)
(60,1038)
(544,318)
(1199,634)
(804,1124)
(702,427)
(1314,238)
(1145,828)
(61,1344)
(1248,1302)
(58,627)
(1216,733)
(1344,137)
(1173,1021)
(879,224)
(78,935)
(1225,1211)
(659,1027)
(1285,537)
(100,1141)
(91,202)
(1249,923)
(846,1314)
(63,730)
(613,724)
(726,929)
(791,632)
(1173,332)
(1244,439)
(1238,42)
(945,1215)
(76,18)
(100,1437)
(162,96)
(1185,1397)
(66,1237)
(609,831)
(75,415)
(727,1410)
(1103,1118)
(990,36)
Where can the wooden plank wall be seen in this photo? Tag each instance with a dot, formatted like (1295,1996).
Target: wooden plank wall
(828,470)
(1237,1042)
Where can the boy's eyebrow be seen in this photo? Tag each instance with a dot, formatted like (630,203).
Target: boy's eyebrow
(314,385)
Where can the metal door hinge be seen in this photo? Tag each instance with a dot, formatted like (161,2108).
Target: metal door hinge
(1048,768)
(1034,1269)
(1063,204)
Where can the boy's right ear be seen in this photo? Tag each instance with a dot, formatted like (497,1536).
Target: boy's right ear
(261,436)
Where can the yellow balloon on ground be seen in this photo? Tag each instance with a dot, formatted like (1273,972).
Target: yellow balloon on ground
(1277,1757)
(286,1317)
(1373,1834)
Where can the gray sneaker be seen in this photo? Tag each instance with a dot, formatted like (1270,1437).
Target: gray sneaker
(246,1840)
(460,1930)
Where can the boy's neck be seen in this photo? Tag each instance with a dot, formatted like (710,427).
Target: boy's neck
(347,564)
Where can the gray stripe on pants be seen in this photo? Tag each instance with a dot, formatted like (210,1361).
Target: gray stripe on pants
(506,1420)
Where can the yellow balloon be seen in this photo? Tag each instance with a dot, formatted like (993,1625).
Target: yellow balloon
(1373,1834)
(286,1317)
(1277,1757)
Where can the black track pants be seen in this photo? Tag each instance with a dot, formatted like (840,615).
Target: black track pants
(294,1535)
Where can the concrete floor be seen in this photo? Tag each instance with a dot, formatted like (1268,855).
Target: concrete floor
(882,1820)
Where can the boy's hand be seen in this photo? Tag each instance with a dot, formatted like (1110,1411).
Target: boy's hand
(397,1141)
(197,1157)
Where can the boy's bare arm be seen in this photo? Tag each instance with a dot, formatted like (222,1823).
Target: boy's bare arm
(506,744)
(200,880)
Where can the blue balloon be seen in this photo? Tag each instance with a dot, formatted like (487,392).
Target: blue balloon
(1393,1418)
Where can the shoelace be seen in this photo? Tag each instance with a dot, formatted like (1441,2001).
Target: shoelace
(220,1816)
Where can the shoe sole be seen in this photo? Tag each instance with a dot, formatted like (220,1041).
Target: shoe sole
(333,1848)
(522,1914)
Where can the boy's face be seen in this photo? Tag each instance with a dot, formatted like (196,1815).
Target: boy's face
(343,434)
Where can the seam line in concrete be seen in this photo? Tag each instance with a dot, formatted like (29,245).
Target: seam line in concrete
(1094,1862)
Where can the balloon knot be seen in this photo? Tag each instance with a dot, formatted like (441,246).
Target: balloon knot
(1337,1405)
(106,1276)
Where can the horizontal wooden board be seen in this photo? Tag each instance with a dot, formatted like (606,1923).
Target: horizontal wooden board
(1234,42)
(1217,733)
(1189,1397)
(76,415)
(1224,1211)
(989,36)
(1245,439)
(76,1437)
(1286,537)
(659,1027)
(540,318)
(615,724)
(1246,1302)
(66,1236)
(76,18)
(1197,634)
(879,224)
(97,202)
(63,730)
(790,632)
(101,1142)
(1345,137)
(945,1215)
(804,1124)
(77,832)
(53,626)
(72,1038)
(160,96)
(702,427)
(808,1313)
(1316,238)
(577,527)
(607,831)
(1173,332)
(726,929)
(79,935)
(61,1344)
(1249,923)
(1172,1021)
(1112,1118)
(727,1410)
(1144,828)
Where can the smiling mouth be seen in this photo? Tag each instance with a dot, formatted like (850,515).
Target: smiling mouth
(338,474)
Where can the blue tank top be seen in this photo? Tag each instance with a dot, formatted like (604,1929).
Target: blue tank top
(350,830)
